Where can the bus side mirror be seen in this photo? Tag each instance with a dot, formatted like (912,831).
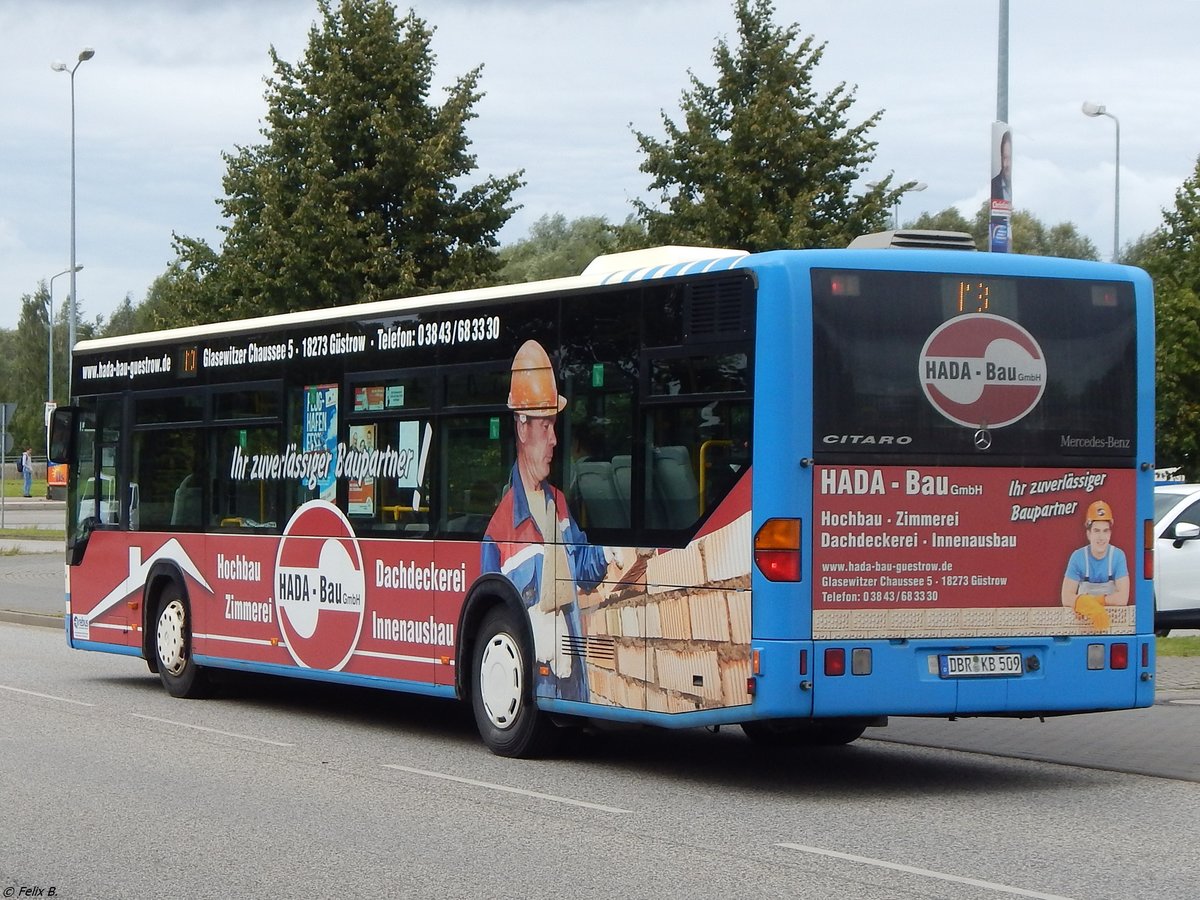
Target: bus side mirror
(62,429)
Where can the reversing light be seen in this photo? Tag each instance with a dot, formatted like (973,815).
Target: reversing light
(1118,656)
(835,661)
(1095,656)
(860,661)
(777,549)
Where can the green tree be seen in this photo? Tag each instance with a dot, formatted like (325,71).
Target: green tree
(1033,237)
(1030,235)
(26,374)
(762,160)
(127,318)
(949,219)
(1172,257)
(556,248)
(357,192)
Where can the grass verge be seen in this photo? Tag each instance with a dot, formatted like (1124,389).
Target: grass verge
(1179,646)
(34,534)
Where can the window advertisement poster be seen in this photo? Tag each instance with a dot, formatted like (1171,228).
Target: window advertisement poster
(320,432)
(408,447)
(903,552)
(361,499)
(368,398)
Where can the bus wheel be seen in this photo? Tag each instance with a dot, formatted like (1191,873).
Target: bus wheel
(173,647)
(502,690)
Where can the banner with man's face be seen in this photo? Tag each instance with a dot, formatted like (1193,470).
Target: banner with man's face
(999,232)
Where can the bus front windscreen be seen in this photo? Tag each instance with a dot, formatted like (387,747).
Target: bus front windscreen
(938,367)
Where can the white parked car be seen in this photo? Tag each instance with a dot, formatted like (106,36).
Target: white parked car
(1176,557)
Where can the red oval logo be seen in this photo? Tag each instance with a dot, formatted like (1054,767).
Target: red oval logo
(982,371)
(320,587)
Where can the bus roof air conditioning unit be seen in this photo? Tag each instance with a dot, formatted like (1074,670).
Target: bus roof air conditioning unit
(914,238)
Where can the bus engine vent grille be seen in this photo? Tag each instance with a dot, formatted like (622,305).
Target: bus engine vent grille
(716,309)
(603,649)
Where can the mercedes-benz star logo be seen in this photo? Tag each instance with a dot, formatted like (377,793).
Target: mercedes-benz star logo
(983,439)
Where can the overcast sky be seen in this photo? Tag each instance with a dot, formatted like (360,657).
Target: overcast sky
(175,83)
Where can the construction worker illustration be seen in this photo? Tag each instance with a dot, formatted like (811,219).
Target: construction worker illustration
(532,538)
(1097,575)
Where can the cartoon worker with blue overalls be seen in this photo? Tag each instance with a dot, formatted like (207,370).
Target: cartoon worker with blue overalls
(1097,575)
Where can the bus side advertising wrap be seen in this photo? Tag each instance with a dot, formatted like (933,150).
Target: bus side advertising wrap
(913,552)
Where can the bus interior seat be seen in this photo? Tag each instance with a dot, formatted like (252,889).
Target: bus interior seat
(603,506)
(621,476)
(467,524)
(675,487)
(186,507)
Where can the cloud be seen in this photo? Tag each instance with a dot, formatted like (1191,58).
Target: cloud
(174,85)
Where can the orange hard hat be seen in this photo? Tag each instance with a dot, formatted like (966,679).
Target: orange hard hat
(534,390)
(1099,512)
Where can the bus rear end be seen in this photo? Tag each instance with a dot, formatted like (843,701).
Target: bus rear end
(972,488)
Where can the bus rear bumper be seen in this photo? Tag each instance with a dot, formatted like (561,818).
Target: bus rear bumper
(957,677)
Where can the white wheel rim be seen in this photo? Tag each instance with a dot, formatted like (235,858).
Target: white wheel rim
(171,653)
(501,675)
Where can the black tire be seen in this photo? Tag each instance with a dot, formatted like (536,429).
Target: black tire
(502,690)
(173,647)
(803,732)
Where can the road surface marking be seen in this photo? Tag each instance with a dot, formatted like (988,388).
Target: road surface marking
(928,873)
(232,734)
(509,790)
(16,690)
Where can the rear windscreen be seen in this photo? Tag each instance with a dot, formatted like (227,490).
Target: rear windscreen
(931,366)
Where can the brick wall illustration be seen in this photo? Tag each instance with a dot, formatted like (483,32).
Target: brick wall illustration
(679,639)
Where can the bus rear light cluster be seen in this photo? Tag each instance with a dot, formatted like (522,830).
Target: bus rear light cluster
(777,549)
(835,661)
(1117,655)
(1148,551)
(860,661)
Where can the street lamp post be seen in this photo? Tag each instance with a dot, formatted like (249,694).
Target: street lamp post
(1094,110)
(84,55)
(911,186)
(917,186)
(50,331)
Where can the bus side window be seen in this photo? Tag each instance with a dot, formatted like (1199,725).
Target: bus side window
(388,487)
(239,501)
(699,452)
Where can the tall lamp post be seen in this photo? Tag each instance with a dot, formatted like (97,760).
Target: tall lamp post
(49,328)
(84,55)
(915,186)
(1094,110)
(50,331)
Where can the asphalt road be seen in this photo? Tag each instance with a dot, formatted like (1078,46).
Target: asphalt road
(277,788)
(32,592)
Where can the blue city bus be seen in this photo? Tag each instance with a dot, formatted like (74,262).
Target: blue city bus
(795,491)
